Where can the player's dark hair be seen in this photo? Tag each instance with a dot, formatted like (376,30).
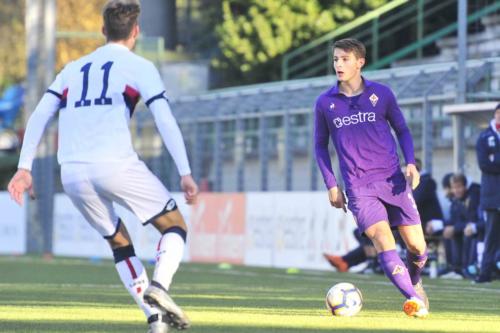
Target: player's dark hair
(446,180)
(418,164)
(351,45)
(120,17)
(498,107)
(459,178)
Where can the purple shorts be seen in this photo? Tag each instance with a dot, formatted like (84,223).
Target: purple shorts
(385,200)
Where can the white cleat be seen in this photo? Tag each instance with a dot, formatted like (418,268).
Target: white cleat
(415,307)
(157,324)
(173,314)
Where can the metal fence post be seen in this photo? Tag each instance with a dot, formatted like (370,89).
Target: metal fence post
(288,151)
(263,153)
(427,127)
(198,151)
(375,39)
(40,39)
(218,157)
(312,154)
(240,154)
(458,126)
(420,25)
(329,57)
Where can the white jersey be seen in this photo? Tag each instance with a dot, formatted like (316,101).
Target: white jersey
(96,96)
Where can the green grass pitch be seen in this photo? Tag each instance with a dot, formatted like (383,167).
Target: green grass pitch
(75,295)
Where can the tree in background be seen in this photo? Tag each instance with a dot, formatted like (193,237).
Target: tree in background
(255,34)
(245,38)
(82,16)
(197,21)
(12,48)
(13,41)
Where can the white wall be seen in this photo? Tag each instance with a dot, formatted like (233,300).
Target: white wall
(73,236)
(12,226)
(273,229)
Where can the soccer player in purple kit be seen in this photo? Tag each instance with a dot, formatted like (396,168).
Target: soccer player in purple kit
(358,114)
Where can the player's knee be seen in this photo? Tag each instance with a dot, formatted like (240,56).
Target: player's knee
(170,218)
(182,232)
(416,247)
(123,252)
(120,238)
(117,242)
(379,234)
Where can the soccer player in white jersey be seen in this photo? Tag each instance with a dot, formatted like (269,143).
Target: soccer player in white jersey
(95,96)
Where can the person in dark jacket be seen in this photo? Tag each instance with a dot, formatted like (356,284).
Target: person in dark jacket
(425,196)
(488,156)
(463,224)
(364,252)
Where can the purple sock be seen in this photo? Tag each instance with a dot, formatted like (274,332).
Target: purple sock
(416,265)
(397,272)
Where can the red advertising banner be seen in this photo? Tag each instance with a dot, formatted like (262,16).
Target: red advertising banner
(217,232)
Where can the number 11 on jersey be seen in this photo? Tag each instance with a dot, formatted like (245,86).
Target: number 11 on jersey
(102,100)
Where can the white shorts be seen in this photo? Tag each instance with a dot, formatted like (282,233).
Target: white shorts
(94,187)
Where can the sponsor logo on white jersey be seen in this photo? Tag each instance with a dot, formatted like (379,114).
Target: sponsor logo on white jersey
(358,118)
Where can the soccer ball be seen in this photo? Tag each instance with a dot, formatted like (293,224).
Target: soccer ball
(344,299)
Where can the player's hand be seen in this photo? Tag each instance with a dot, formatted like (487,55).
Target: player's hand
(470,229)
(337,198)
(412,176)
(20,183)
(189,188)
(448,232)
(428,229)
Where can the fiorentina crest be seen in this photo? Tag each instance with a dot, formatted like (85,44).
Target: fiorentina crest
(374,99)
(398,269)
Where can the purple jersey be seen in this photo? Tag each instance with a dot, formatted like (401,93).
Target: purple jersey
(361,133)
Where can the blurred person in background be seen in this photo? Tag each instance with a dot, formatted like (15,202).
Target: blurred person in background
(426,199)
(430,212)
(96,96)
(463,226)
(488,156)
(433,230)
(448,195)
(365,252)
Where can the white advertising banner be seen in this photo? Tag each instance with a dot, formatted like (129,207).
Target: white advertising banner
(12,226)
(273,229)
(73,236)
(294,229)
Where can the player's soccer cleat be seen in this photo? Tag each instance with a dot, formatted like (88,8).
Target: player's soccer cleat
(419,289)
(157,324)
(337,262)
(173,314)
(415,307)
(481,279)
(452,276)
